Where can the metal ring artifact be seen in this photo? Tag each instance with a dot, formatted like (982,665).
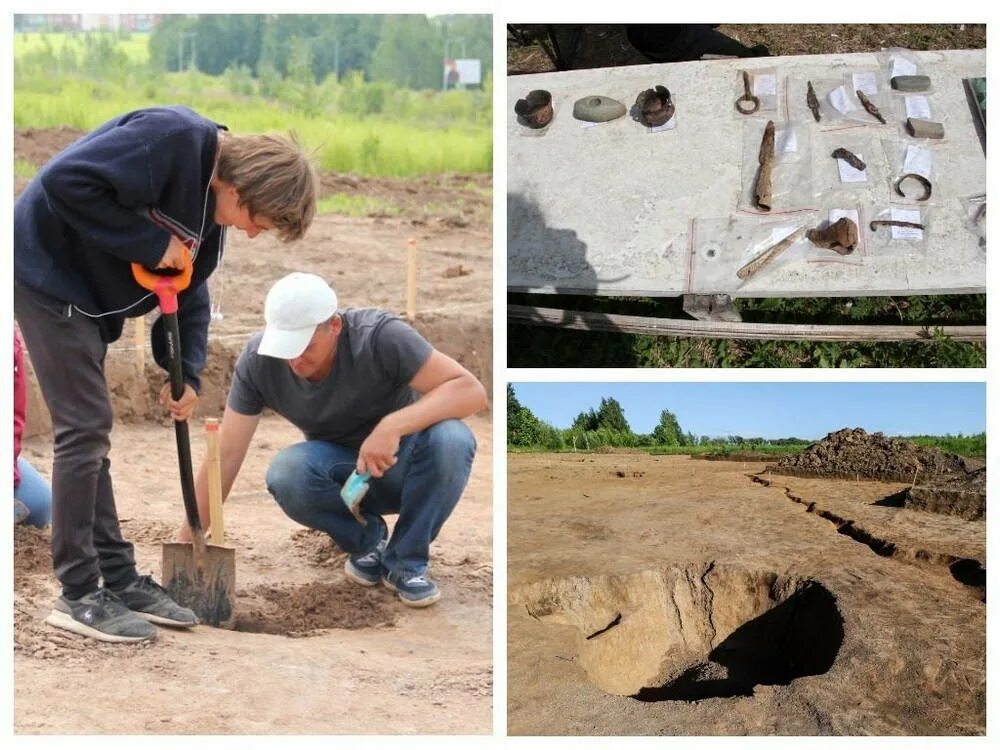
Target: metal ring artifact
(747,97)
(919,178)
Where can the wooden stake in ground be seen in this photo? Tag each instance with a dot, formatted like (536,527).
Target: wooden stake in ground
(217,527)
(411,279)
(139,338)
(762,187)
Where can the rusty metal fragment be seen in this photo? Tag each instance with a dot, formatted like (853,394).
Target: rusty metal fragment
(852,159)
(869,107)
(753,103)
(919,178)
(655,107)
(893,223)
(535,110)
(769,255)
(920,128)
(765,158)
(811,100)
(841,236)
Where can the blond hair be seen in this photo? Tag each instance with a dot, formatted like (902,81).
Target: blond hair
(273,178)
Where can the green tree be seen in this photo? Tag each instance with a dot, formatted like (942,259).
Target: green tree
(408,53)
(523,427)
(668,431)
(611,417)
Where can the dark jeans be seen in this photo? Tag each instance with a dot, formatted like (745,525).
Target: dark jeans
(423,487)
(68,358)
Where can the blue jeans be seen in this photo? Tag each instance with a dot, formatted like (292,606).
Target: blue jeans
(34,492)
(423,487)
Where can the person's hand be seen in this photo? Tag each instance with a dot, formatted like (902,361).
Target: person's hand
(378,453)
(184,534)
(183,408)
(175,255)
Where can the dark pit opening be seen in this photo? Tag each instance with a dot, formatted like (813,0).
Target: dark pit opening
(895,500)
(969,571)
(799,637)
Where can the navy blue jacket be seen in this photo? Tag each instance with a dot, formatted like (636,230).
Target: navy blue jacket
(113,197)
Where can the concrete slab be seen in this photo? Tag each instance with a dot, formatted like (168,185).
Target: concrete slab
(618,209)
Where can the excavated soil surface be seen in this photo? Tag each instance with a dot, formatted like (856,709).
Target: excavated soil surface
(795,606)
(695,632)
(941,482)
(854,453)
(312,653)
(962,496)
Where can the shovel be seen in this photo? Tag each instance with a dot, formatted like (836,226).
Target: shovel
(197,575)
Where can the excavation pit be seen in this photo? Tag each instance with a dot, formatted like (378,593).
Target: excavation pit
(693,632)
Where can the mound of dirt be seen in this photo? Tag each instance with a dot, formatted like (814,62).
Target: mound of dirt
(311,608)
(962,496)
(854,453)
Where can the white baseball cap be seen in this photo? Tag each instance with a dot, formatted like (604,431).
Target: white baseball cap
(295,305)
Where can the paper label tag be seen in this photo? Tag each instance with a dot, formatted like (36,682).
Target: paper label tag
(778,234)
(785,141)
(839,101)
(668,125)
(867,82)
(849,173)
(918,161)
(918,106)
(765,84)
(906,233)
(902,67)
(836,214)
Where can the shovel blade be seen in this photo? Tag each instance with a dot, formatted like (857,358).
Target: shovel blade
(207,586)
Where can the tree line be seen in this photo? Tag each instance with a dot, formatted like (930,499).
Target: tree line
(607,426)
(406,50)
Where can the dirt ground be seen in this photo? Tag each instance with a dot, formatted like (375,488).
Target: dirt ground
(664,595)
(312,652)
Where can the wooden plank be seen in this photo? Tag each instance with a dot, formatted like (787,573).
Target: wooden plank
(589,321)
(217,528)
(614,209)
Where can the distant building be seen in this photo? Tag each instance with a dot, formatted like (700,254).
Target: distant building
(86,21)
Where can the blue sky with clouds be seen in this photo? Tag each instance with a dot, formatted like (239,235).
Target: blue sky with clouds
(772,410)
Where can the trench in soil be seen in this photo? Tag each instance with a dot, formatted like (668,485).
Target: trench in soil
(700,631)
(967,571)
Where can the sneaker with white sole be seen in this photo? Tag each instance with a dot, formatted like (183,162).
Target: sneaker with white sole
(366,568)
(413,590)
(150,601)
(100,615)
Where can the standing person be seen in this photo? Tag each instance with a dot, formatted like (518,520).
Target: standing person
(369,393)
(32,495)
(158,187)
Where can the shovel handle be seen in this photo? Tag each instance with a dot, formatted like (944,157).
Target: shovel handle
(172,331)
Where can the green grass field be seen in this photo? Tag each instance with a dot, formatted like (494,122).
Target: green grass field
(135,46)
(341,122)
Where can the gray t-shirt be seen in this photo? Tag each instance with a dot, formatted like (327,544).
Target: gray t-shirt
(377,356)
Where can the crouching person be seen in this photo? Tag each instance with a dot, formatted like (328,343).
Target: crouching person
(369,394)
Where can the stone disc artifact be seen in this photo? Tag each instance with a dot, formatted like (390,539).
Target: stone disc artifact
(596,108)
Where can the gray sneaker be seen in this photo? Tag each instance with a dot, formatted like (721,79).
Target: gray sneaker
(100,615)
(366,569)
(150,601)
